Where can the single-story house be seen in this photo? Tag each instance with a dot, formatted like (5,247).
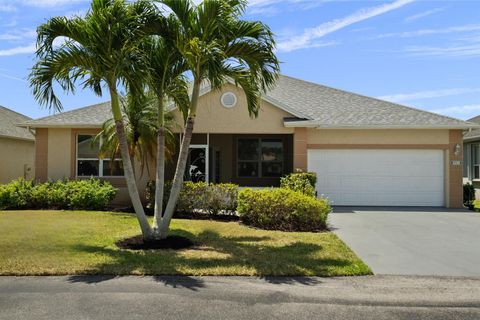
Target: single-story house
(17,147)
(365,151)
(471,164)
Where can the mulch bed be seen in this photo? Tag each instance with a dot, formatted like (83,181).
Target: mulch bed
(171,242)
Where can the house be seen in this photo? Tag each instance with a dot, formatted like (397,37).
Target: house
(365,151)
(17,147)
(471,164)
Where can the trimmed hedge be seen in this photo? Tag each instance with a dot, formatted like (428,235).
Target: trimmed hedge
(468,195)
(303,182)
(282,209)
(199,196)
(91,194)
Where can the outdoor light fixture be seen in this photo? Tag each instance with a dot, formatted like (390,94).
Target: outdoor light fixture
(456,149)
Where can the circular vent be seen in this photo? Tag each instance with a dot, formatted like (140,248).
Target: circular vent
(228,100)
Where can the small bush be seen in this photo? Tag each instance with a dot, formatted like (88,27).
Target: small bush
(303,182)
(91,194)
(468,194)
(282,209)
(198,196)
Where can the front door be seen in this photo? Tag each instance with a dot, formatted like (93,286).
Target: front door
(197,164)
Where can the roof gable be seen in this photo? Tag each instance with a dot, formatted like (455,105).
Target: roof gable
(8,125)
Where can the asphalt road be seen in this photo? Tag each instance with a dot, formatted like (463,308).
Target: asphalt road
(104,297)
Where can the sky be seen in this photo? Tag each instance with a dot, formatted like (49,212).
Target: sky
(424,54)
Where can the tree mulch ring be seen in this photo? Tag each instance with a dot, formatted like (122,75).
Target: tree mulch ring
(170,242)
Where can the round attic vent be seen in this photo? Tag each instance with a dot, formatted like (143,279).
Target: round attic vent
(228,99)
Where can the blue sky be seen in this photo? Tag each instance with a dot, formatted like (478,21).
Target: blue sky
(424,54)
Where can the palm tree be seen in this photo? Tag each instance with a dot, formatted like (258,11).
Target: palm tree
(170,86)
(218,46)
(101,49)
(140,118)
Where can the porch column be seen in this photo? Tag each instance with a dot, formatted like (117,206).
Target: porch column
(455,170)
(300,149)
(41,154)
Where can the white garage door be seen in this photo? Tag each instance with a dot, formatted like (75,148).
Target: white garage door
(379,177)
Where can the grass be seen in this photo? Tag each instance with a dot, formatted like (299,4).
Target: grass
(82,242)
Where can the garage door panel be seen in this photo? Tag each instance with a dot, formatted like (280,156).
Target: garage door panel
(380,177)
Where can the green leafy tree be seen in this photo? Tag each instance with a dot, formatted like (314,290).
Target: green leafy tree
(218,47)
(140,118)
(101,51)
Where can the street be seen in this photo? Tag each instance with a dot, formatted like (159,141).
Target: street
(108,297)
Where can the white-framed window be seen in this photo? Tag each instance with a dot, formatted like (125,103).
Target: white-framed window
(476,161)
(88,162)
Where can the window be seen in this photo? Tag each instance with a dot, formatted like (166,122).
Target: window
(476,161)
(259,158)
(90,165)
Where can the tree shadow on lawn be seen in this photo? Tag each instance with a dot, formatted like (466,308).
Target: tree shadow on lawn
(214,254)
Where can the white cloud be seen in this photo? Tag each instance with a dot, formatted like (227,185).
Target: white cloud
(18,34)
(31,48)
(465,111)
(426,32)
(401,97)
(448,51)
(49,3)
(423,14)
(5,7)
(311,35)
(4,75)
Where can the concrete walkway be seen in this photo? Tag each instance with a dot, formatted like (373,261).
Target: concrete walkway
(412,241)
(374,297)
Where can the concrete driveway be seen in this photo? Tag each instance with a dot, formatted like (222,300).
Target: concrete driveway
(412,241)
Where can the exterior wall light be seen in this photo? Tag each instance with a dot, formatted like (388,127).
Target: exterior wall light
(456,149)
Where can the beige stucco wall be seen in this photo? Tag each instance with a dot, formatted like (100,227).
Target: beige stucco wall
(377,136)
(60,148)
(212,117)
(59,153)
(17,156)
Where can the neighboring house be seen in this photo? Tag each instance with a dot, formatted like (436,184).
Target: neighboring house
(365,151)
(17,147)
(471,163)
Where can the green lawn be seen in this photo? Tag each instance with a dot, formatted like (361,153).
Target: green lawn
(58,242)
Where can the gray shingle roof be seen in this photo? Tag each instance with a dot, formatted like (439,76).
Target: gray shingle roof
(8,125)
(91,116)
(474,134)
(333,107)
(321,105)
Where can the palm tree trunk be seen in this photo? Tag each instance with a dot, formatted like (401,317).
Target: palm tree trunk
(160,172)
(128,168)
(181,163)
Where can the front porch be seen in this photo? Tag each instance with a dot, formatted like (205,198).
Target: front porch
(256,160)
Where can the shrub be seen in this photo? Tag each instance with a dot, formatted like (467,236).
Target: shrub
(282,209)
(468,194)
(303,182)
(198,196)
(91,194)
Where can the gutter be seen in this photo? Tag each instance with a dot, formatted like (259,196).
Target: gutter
(314,124)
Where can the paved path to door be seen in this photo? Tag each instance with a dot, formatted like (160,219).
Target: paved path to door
(211,298)
(412,241)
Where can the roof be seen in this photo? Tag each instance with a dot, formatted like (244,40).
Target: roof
(87,117)
(312,104)
(473,134)
(333,108)
(8,125)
